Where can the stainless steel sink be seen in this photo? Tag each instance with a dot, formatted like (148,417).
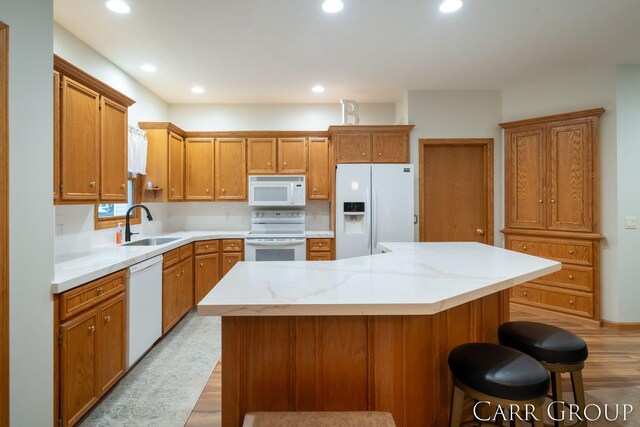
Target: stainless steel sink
(152,241)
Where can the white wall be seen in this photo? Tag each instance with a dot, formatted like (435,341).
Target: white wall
(590,88)
(200,117)
(459,114)
(30,211)
(628,154)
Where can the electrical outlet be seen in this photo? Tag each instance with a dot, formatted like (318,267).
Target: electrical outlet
(631,222)
(59,230)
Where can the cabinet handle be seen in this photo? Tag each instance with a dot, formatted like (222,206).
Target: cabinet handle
(571,302)
(207,190)
(553,201)
(202,264)
(480,231)
(284,163)
(570,252)
(222,190)
(571,277)
(379,154)
(173,190)
(363,154)
(107,318)
(177,274)
(540,201)
(268,163)
(524,248)
(206,246)
(314,190)
(123,185)
(100,290)
(92,184)
(92,328)
(319,244)
(525,294)
(228,261)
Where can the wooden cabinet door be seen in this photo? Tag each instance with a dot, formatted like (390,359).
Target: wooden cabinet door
(231,169)
(170,299)
(80,141)
(261,154)
(318,179)
(185,290)
(525,174)
(570,204)
(207,274)
(229,260)
(176,167)
(199,169)
(79,389)
(353,147)
(56,135)
(292,155)
(114,168)
(390,148)
(113,339)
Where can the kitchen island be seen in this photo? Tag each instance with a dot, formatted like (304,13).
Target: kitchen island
(366,333)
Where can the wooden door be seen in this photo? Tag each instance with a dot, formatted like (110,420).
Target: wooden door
(56,135)
(318,178)
(4,224)
(229,260)
(80,142)
(292,155)
(353,147)
(231,169)
(261,155)
(456,190)
(176,167)
(525,168)
(570,178)
(113,340)
(199,169)
(78,366)
(170,300)
(207,274)
(114,167)
(390,147)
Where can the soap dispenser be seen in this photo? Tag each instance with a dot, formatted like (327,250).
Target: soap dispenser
(119,233)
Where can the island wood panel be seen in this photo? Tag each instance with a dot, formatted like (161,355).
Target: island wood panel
(4,225)
(333,363)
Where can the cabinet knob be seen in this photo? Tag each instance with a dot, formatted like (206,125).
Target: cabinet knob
(99,290)
(268,163)
(206,246)
(524,248)
(228,261)
(571,277)
(540,201)
(480,231)
(207,190)
(379,154)
(553,201)
(314,190)
(571,302)
(525,293)
(222,190)
(363,154)
(123,185)
(173,190)
(319,244)
(92,184)
(107,318)
(284,163)
(92,328)
(570,252)
(202,264)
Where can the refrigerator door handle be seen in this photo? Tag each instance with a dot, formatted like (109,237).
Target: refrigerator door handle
(368,218)
(374,214)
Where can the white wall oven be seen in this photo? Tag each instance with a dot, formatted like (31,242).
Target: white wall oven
(276,191)
(276,235)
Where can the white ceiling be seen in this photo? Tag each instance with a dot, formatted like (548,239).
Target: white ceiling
(274,51)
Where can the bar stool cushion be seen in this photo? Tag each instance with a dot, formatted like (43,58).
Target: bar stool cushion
(499,371)
(543,342)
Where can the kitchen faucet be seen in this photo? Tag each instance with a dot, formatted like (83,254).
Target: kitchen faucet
(127,227)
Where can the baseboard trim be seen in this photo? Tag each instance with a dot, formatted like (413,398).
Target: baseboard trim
(589,323)
(621,326)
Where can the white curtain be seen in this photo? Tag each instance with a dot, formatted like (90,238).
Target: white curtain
(137,151)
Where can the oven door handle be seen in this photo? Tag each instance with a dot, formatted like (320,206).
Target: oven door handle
(274,243)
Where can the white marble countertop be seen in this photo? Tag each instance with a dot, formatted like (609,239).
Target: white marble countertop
(411,279)
(78,269)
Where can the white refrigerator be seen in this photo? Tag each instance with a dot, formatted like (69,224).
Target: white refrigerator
(374,203)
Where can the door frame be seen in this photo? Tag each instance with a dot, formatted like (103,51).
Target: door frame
(487,144)
(4,224)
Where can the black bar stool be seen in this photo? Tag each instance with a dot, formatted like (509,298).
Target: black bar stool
(499,375)
(558,350)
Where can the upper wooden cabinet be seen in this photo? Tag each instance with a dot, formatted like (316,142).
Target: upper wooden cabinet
(371,144)
(90,138)
(199,175)
(319,175)
(292,155)
(230,169)
(176,167)
(261,155)
(550,173)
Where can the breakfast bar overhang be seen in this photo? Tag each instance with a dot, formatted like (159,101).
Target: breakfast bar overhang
(366,333)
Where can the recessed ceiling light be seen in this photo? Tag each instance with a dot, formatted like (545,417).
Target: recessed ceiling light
(148,68)
(332,6)
(318,89)
(197,89)
(449,6)
(118,6)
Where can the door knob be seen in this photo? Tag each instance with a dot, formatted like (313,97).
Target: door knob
(480,231)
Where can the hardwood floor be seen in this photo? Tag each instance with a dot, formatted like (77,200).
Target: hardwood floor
(614,362)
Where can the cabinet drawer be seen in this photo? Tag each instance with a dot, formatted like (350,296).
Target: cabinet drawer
(206,246)
(83,297)
(232,245)
(319,245)
(185,251)
(567,302)
(170,258)
(563,251)
(579,278)
(320,256)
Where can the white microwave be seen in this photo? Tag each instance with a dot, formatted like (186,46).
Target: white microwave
(276,191)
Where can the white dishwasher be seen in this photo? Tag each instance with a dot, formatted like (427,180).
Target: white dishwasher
(144,307)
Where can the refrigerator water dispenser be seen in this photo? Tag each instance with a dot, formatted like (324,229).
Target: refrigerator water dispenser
(354,218)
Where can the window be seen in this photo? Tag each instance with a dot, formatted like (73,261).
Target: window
(108,215)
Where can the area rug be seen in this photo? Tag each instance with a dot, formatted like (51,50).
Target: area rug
(611,397)
(162,389)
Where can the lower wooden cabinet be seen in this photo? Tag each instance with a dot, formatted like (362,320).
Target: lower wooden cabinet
(320,250)
(92,350)
(177,287)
